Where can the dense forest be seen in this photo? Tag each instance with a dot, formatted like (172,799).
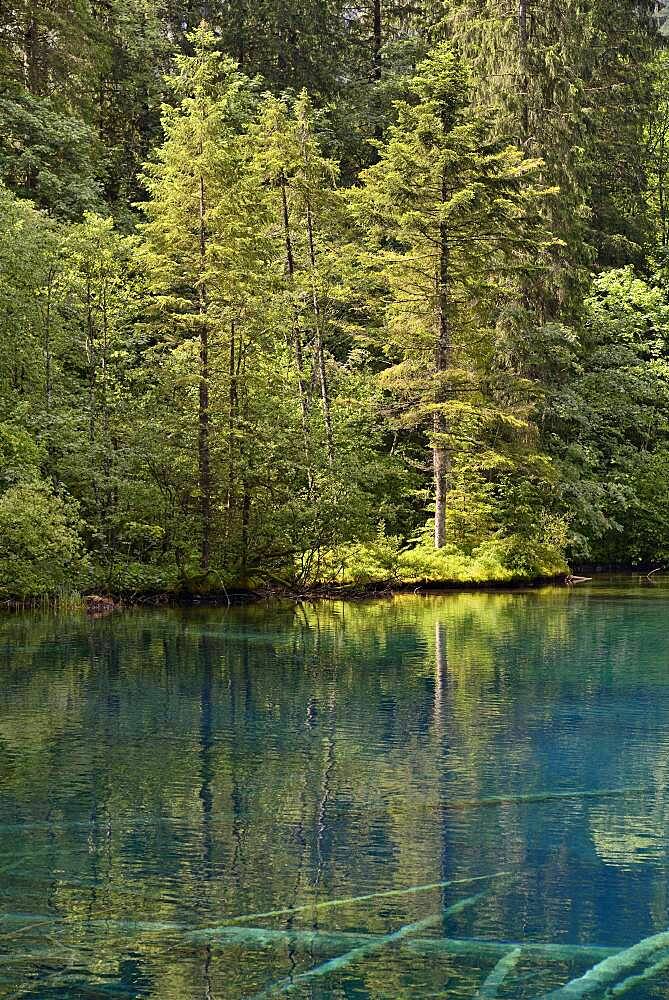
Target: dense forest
(310,290)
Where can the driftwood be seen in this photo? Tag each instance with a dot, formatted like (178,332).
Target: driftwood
(97,606)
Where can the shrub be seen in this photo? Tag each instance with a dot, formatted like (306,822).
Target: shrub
(40,547)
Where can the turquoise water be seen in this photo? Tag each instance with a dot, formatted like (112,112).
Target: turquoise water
(192,802)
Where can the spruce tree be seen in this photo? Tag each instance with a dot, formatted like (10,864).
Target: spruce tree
(529,66)
(451,214)
(310,217)
(202,246)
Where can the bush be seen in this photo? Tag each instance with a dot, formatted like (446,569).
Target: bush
(127,576)
(498,560)
(360,563)
(40,547)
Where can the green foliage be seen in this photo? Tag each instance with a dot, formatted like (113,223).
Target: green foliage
(40,547)
(607,421)
(451,216)
(247,319)
(19,456)
(49,156)
(387,560)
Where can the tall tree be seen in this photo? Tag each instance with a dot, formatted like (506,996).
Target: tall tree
(570,83)
(129,86)
(48,146)
(203,249)
(450,211)
(530,66)
(291,43)
(313,225)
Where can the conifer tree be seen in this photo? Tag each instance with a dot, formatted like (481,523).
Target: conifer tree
(451,212)
(310,218)
(570,83)
(529,66)
(203,251)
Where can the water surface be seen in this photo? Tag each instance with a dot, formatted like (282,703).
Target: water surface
(170,778)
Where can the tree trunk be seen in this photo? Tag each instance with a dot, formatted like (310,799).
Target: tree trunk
(204,461)
(31,60)
(90,350)
(661,188)
(47,347)
(523,38)
(233,401)
(442,361)
(296,333)
(378,41)
(320,349)
(104,408)
(246,518)
(441,467)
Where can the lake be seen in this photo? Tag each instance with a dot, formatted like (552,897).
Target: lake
(457,796)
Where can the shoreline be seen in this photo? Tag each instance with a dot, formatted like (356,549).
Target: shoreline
(101,603)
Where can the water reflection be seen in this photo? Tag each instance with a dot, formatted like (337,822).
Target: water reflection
(166,777)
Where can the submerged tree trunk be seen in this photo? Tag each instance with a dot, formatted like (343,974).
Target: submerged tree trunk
(204,460)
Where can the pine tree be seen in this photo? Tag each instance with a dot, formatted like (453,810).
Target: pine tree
(129,86)
(620,92)
(657,149)
(290,43)
(49,150)
(570,83)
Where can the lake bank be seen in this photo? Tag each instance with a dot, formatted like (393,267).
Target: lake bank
(108,601)
(105,602)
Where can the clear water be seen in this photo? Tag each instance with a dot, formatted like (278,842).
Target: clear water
(166,776)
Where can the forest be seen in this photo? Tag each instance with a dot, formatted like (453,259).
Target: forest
(316,291)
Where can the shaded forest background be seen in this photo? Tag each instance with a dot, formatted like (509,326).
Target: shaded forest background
(308,291)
